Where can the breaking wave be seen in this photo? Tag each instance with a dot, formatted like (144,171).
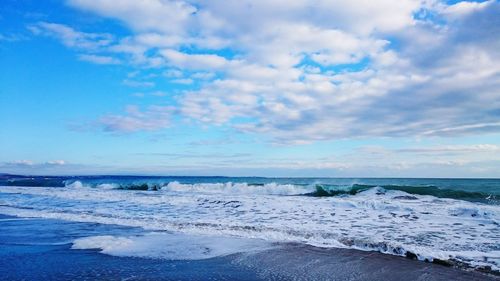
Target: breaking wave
(455,189)
(435,191)
(314,190)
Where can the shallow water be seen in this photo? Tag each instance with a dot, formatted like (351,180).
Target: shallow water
(46,249)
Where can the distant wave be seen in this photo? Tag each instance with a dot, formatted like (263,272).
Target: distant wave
(315,190)
(266,188)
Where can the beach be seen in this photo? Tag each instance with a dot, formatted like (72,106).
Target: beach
(41,249)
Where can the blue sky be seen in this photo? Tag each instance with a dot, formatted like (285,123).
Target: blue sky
(399,88)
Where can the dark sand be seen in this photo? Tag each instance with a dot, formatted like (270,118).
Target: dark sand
(39,249)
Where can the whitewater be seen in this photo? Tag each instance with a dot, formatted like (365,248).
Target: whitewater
(427,220)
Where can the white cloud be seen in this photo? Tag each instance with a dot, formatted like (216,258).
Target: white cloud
(21,163)
(193,61)
(72,38)
(360,17)
(464,8)
(184,81)
(32,164)
(397,95)
(475,148)
(203,75)
(151,94)
(56,162)
(138,84)
(154,118)
(99,59)
(150,15)
(301,71)
(12,37)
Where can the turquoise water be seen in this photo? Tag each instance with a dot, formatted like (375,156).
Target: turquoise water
(477,190)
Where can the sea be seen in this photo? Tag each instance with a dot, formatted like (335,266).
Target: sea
(248,228)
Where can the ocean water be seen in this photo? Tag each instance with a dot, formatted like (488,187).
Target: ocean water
(454,221)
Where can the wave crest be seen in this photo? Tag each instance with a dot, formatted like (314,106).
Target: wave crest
(315,190)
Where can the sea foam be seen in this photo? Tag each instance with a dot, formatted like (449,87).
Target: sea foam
(388,221)
(171,246)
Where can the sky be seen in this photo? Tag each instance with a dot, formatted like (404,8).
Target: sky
(338,88)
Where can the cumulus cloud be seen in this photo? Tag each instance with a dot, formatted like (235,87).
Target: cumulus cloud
(154,118)
(464,8)
(152,15)
(304,71)
(193,61)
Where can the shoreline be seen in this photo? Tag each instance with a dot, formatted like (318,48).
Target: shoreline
(41,247)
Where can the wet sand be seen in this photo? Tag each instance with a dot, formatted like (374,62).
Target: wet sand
(303,262)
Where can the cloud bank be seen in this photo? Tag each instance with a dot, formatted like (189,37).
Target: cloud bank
(304,71)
